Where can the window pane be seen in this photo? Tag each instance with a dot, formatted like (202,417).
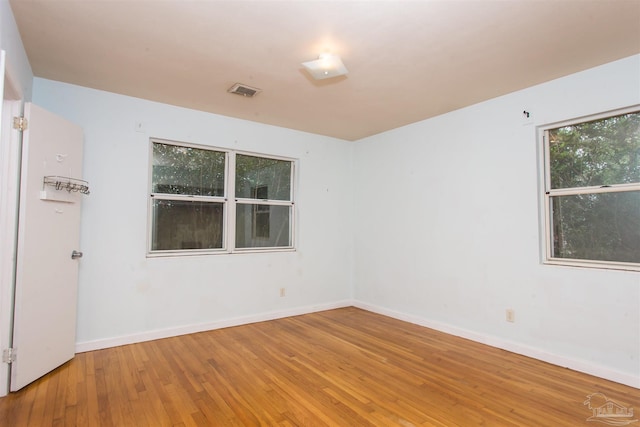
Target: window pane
(181,224)
(187,170)
(259,226)
(603,226)
(600,152)
(262,178)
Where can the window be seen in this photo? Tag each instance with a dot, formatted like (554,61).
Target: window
(189,207)
(263,202)
(592,192)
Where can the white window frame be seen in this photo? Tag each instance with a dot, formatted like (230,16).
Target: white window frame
(548,193)
(238,201)
(228,201)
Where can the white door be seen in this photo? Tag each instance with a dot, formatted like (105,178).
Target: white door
(44,328)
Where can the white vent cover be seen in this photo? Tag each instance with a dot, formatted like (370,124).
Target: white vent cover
(244,90)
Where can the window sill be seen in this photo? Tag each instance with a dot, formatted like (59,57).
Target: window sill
(601,265)
(188,253)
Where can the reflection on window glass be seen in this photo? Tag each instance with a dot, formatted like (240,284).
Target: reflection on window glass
(271,176)
(179,224)
(187,170)
(262,226)
(603,226)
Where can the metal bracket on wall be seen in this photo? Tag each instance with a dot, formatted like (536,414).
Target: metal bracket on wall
(65,183)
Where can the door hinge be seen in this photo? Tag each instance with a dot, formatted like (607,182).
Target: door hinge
(20,123)
(9,355)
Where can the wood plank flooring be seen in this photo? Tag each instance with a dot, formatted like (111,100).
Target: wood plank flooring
(344,367)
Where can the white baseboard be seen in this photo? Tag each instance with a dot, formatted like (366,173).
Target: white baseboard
(514,347)
(100,344)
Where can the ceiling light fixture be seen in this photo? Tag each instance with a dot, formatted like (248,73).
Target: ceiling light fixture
(325,67)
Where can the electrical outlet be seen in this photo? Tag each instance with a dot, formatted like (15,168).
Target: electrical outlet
(511,315)
(282,292)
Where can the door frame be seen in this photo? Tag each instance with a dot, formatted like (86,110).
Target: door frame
(10,160)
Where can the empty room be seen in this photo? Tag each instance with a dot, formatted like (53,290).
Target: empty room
(320,213)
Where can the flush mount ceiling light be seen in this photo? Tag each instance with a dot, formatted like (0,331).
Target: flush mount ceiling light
(325,67)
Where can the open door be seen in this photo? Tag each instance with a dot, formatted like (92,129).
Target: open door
(44,328)
(10,149)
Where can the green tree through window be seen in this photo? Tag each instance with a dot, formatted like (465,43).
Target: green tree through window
(593,190)
(192,208)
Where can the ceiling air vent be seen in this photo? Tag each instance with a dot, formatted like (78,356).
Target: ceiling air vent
(244,90)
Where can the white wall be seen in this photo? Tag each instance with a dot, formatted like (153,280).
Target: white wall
(447,230)
(18,67)
(125,296)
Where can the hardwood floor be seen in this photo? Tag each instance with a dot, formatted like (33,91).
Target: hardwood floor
(344,367)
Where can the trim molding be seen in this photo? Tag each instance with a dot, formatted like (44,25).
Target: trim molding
(514,347)
(156,334)
(493,341)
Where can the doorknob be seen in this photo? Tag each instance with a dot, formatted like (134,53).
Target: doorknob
(76,255)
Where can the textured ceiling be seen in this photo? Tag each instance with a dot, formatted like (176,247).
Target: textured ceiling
(407,60)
